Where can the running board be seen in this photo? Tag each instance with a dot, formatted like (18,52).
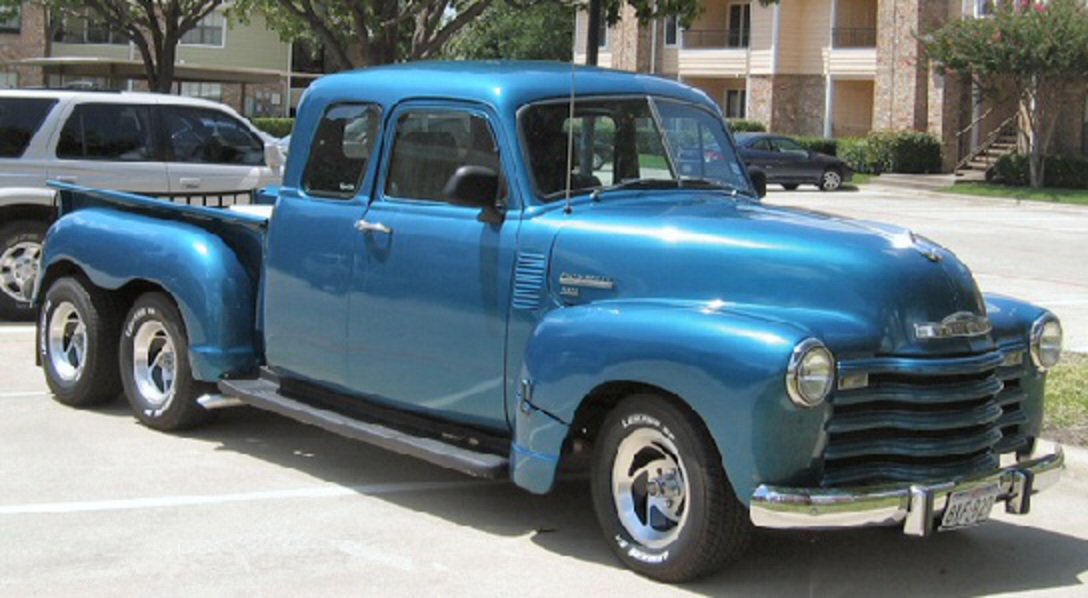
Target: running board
(264,394)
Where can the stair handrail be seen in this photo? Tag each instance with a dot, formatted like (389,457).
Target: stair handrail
(991,139)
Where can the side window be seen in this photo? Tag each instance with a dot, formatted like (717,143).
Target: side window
(20,119)
(431,145)
(762,145)
(107,132)
(788,146)
(209,137)
(340,150)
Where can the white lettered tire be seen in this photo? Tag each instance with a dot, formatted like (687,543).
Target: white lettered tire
(155,366)
(78,343)
(661,494)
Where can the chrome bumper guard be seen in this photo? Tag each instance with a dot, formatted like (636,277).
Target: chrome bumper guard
(913,506)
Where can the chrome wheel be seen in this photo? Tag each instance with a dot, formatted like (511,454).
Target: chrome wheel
(154,363)
(19,270)
(67,339)
(830,181)
(650,488)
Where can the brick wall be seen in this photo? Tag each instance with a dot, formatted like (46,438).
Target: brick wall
(30,42)
(799,104)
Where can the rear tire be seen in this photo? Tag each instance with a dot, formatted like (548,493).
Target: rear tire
(155,367)
(78,343)
(661,495)
(20,252)
(830,180)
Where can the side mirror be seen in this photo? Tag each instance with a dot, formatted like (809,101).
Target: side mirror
(273,156)
(475,187)
(759,181)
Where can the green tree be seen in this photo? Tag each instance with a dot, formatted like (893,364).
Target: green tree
(1042,48)
(540,32)
(153,26)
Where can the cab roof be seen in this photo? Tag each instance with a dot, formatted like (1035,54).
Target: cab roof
(505,85)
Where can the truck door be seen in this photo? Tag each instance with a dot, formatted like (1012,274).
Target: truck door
(311,255)
(428,314)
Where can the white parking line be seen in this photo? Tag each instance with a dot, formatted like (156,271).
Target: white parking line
(17,329)
(28,393)
(215,499)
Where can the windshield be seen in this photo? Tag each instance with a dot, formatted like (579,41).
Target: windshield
(625,141)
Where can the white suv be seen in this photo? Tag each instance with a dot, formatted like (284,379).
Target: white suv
(172,147)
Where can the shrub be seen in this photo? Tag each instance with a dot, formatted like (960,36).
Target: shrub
(276,127)
(1069,172)
(740,125)
(824,145)
(908,152)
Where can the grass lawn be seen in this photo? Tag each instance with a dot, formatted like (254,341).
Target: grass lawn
(1066,417)
(860,178)
(1072,196)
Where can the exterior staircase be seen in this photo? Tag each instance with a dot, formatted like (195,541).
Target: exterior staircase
(1000,142)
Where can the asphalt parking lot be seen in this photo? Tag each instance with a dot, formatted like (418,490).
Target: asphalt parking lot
(93,504)
(1032,250)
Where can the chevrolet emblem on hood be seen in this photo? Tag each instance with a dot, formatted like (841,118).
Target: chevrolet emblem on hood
(959,324)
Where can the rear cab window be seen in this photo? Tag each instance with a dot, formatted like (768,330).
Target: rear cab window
(20,119)
(119,132)
(341,150)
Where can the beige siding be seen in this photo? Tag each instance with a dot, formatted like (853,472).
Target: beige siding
(714,63)
(852,62)
(804,31)
(112,51)
(581,24)
(245,46)
(853,108)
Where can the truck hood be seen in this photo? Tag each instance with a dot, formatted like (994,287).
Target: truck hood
(860,286)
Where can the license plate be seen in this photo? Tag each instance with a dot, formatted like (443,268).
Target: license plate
(970,507)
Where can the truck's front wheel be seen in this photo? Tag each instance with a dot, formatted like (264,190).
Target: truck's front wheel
(155,368)
(661,495)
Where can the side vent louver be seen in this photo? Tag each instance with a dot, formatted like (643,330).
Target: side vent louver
(529,273)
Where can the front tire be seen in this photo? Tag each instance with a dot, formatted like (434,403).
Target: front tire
(830,180)
(78,342)
(661,494)
(20,253)
(155,367)
(789,186)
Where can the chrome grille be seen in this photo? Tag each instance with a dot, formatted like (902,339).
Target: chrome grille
(922,419)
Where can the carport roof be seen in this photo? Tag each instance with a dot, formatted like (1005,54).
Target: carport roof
(134,69)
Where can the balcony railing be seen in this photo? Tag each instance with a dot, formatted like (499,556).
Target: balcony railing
(853,37)
(716,38)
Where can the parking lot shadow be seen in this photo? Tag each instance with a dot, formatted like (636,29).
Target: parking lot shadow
(996,558)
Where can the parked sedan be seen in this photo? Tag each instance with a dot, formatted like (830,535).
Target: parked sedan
(785,162)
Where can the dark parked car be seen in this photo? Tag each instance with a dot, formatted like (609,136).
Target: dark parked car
(783,161)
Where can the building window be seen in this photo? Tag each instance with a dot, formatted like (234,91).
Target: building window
(14,23)
(209,31)
(602,33)
(740,25)
(82,28)
(984,8)
(202,90)
(672,31)
(736,103)
(9,80)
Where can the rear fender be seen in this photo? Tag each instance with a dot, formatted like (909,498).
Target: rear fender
(214,292)
(727,368)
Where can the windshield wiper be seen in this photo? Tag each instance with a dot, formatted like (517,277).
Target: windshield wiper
(703,183)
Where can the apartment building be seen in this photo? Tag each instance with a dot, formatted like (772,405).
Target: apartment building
(836,68)
(244,65)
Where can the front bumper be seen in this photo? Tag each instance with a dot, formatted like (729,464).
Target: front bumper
(913,506)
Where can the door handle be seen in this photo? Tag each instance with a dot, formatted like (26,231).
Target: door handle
(372,227)
(189,182)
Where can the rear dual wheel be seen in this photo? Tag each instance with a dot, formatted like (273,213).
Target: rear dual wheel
(661,495)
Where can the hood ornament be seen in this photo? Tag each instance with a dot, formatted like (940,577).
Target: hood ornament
(959,324)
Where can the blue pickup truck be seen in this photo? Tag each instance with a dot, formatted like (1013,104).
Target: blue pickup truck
(453,269)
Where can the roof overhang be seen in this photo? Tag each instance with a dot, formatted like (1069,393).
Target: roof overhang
(134,69)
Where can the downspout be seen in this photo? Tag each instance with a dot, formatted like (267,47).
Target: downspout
(653,48)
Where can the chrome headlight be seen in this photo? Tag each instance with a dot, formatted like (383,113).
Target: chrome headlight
(811,373)
(1046,342)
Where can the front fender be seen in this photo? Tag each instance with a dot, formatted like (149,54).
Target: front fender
(727,367)
(213,291)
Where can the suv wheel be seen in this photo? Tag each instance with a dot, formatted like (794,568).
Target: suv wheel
(661,494)
(20,252)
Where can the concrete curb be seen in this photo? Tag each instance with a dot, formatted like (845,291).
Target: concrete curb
(1076,462)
